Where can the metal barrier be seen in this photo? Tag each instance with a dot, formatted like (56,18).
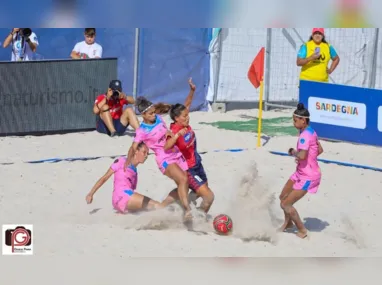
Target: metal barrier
(51,95)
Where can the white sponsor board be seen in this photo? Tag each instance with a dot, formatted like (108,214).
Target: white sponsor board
(337,113)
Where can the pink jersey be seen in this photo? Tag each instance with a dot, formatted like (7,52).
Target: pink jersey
(154,136)
(309,167)
(124,180)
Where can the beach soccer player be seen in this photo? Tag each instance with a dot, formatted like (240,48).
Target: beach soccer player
(154,133)
(307,176)
(125,199)
(184,138)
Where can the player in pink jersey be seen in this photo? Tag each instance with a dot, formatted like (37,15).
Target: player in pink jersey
(125,199)
(307,177)
(154,133)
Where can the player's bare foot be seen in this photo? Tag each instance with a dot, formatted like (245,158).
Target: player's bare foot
(302,234)
(187,216)
(284,227)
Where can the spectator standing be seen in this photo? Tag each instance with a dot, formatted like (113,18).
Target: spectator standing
(314,57)
(87,48)
(24,44)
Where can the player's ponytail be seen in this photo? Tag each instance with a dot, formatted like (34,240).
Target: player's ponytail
(302,112)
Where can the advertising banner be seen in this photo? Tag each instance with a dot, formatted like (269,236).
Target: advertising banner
(344,113)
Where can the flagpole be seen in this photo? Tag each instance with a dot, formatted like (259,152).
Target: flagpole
(260,112)
(256,77)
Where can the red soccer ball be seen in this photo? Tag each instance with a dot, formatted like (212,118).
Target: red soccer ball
(223,224)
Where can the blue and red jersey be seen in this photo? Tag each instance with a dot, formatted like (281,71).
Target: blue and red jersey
(187,145)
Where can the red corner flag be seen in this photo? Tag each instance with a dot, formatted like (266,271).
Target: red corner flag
(256,70)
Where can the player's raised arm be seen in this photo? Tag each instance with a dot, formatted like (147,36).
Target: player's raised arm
(190,95)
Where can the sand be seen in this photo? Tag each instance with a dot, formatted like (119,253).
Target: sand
(343,218)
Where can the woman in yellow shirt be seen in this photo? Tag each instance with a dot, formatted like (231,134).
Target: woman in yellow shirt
(314,57)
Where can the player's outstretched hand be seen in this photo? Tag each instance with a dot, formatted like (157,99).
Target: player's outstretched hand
(89,198)
(192,85)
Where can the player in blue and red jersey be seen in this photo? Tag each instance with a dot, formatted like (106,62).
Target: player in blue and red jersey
(184,138)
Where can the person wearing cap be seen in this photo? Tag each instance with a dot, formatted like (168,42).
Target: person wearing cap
(112,118)
(314,57)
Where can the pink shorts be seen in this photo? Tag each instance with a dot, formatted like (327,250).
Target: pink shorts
(302,183)
(120,200)
(180,161)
